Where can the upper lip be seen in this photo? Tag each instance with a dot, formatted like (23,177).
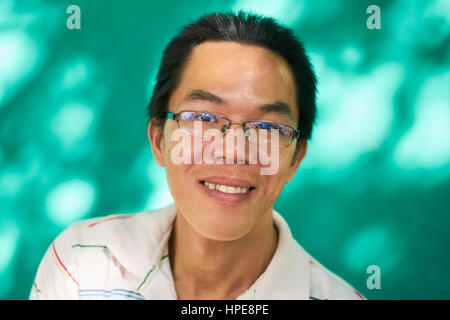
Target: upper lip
(227,181)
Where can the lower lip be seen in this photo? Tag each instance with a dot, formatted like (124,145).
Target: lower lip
(226,198)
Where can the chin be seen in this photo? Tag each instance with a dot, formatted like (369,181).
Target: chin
(221,234)
(222,225)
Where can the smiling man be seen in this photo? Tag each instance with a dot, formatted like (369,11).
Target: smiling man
(235,75)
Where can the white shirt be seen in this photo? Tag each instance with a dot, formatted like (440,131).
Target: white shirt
(126,257)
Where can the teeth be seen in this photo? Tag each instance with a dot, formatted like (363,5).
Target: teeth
(209,185)
(225,189)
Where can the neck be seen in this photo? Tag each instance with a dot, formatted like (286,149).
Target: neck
(210,269)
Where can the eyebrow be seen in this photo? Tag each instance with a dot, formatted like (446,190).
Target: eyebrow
(202,95)
(278,107)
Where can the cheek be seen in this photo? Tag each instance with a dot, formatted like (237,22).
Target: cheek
(182,188)
(182,148)
(277,181)
(287,160)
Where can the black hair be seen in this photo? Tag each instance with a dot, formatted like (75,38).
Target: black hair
(245,28)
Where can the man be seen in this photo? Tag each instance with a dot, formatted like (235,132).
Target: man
(221,239)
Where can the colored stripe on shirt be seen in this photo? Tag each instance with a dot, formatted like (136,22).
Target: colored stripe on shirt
(110,293)
(61,266)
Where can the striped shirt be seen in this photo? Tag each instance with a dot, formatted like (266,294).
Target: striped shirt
(126,257)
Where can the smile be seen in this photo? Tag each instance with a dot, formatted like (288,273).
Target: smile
(225,188)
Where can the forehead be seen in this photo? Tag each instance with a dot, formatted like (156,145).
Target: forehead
(243,75)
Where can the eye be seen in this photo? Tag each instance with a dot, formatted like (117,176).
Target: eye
(206,117)
(188,116)
(272,126)
(266,125)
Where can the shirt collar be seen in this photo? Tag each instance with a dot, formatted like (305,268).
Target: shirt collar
(287,276)
(140,244)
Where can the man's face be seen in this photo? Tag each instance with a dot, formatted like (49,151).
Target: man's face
(235,81)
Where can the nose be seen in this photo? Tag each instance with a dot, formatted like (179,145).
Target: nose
(226,128)
(235,144)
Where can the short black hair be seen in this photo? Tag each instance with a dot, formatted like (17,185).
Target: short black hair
(245,28)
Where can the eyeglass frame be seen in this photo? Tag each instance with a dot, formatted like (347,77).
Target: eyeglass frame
(175,116)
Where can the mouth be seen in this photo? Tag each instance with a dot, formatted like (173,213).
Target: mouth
(228,190)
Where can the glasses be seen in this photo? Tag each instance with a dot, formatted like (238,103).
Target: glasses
(256,131)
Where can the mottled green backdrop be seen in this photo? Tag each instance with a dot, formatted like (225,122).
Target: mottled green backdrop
(374,188)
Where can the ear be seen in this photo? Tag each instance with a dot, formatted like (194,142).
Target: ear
(156,137)
(298,157)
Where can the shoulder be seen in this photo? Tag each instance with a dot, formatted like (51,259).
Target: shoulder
(325,285)
(118,232)
(91,252)
(92,236)
(63,268)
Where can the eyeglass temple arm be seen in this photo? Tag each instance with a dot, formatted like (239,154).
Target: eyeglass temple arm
(171,115)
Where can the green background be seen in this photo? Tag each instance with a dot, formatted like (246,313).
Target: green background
(373,190)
